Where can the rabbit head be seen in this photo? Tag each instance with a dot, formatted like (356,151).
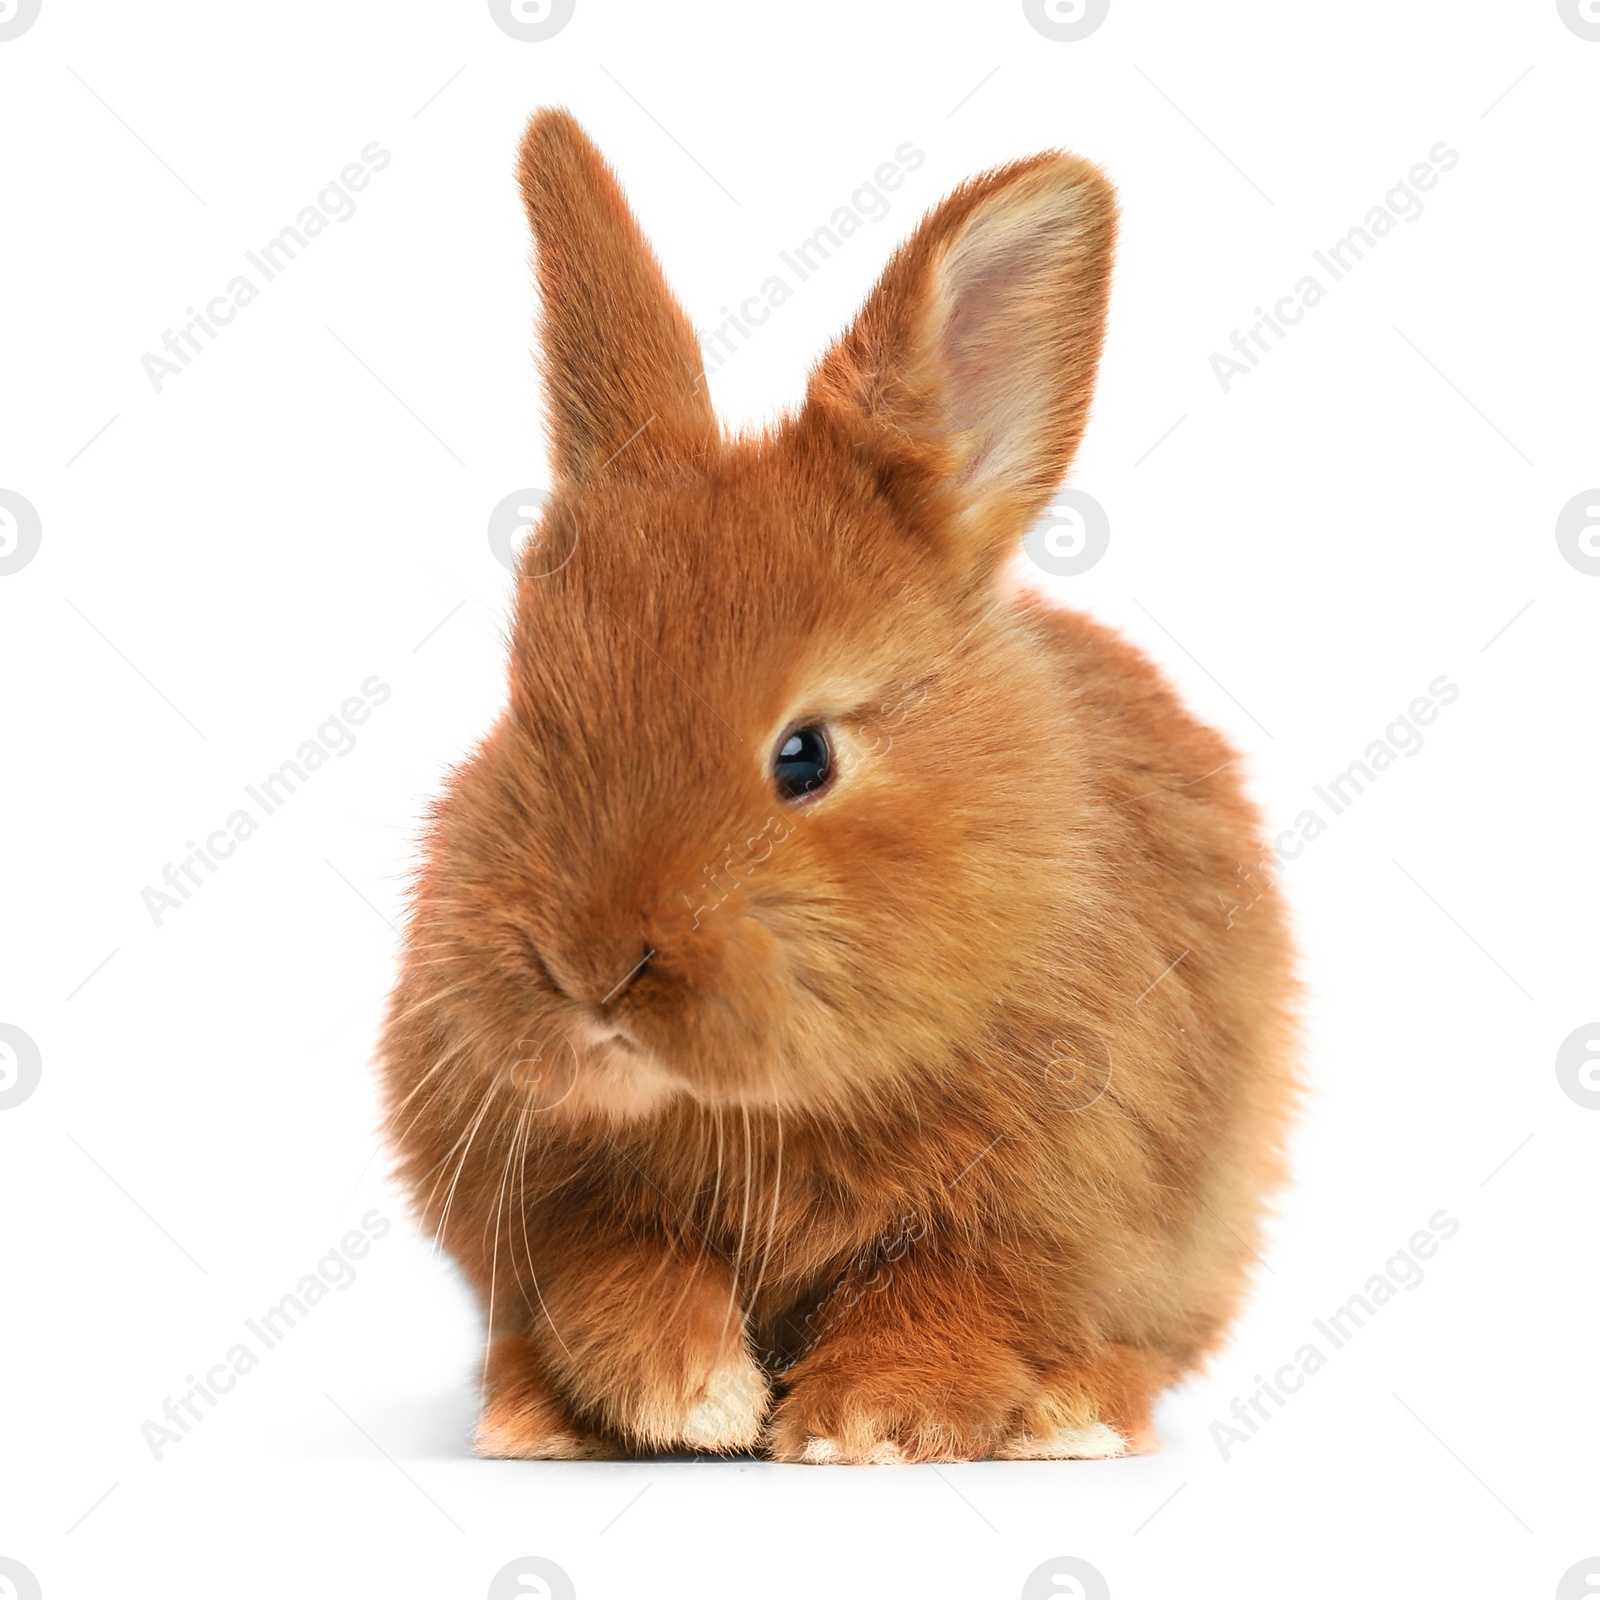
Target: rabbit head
(781,808)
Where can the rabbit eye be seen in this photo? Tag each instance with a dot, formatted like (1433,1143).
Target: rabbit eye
(802,765)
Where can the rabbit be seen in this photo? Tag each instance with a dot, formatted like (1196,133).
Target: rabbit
(827,1028)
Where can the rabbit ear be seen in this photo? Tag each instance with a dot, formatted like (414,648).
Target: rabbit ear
(967,376)
(622,370)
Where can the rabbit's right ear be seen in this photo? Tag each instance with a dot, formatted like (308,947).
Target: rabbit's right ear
(623,375)
(966,379)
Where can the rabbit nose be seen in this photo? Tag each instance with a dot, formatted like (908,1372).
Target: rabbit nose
(628,979)
(597,980)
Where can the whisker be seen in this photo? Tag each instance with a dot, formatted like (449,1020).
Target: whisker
(533,1275)
(448,1056)
(777,1189)
(461,1166)
(716,1192)
(494,1260)
(744,1227)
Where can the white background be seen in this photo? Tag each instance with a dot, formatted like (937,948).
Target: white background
(305,506)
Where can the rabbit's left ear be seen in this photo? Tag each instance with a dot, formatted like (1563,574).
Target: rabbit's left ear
(969,371)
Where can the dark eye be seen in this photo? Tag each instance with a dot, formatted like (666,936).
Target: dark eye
(803,763)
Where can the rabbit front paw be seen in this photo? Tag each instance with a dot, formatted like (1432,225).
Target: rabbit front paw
(958,1407)
(729,1413)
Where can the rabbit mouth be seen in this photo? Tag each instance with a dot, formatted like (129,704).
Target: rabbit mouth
(606,1038)
(619,1076)
(621,1058)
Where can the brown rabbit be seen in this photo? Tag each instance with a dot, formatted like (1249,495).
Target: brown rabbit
(826,1025)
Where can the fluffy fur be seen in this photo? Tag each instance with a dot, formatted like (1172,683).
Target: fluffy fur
(929,1119)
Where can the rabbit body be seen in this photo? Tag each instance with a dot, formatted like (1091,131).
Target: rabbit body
(925,1116)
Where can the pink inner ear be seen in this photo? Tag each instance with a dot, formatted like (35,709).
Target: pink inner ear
(1012,298)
